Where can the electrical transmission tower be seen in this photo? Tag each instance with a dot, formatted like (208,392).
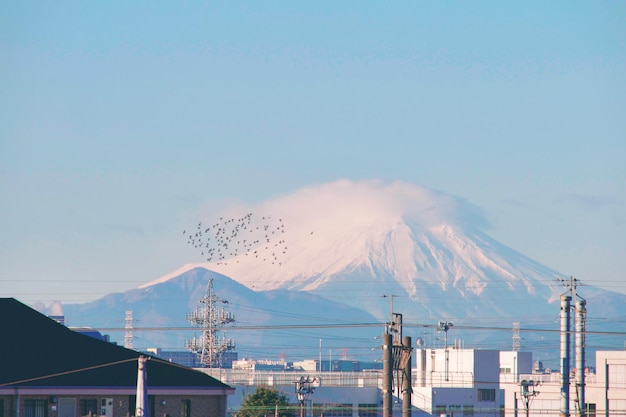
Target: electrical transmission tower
(517,339)
(128,337)
(210,346)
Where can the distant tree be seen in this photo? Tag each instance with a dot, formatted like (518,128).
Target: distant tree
(266,402)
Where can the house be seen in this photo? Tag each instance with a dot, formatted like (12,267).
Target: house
(48,370)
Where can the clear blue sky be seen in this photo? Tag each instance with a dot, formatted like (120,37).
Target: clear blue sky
(122,121)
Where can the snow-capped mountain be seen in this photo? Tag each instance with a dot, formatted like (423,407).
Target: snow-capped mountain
(356,241)
(165,306)
(354,251)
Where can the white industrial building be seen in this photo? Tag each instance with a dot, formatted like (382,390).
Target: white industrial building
(453,382)
(457,382)
(604,391)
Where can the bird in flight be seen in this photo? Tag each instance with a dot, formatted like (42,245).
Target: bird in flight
(222,240)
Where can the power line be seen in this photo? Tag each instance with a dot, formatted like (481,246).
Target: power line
(358,325)
(259,327)
(73,371)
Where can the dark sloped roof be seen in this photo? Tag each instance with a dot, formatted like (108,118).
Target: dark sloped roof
(38,351)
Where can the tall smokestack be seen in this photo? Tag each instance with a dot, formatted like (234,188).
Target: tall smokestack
(407,386)
(387,375)
(580,355)
(565,347)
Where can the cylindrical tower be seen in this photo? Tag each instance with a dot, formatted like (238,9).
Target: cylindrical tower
(580,355)
(565,357)
(387,375)
(407,386)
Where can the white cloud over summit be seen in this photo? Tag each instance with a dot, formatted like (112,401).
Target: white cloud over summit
(385,236)
(346,201)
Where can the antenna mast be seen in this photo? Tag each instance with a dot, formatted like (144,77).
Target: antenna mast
(210,346)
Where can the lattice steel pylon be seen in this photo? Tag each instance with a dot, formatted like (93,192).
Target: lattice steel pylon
(517,340)
(128,336)
(210,346)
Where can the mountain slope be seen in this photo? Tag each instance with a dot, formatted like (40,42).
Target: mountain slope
(355,241)
(319,250)
(166,304)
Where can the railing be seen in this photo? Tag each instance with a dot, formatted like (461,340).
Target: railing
(555,377)
(438,379)
(327,379)
(252,377)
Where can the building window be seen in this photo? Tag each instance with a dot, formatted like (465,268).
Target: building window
(35,408)
(338,410)
(616,375)
(365,410)
(185,408)
(505,370)
(89,407)
(591,409)
(468,410)
(455,410)
(487,394)
(439,410)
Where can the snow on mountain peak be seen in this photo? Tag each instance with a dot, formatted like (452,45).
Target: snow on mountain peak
(377,235)
(347,202)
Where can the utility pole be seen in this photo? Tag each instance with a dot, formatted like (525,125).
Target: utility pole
(407,386)
(142,405)
(387,375)
(397,353)
(528,392)
(391,326)
(304,391)
(445,326)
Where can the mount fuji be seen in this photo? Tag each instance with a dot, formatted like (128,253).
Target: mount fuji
(353,242)
(373,247)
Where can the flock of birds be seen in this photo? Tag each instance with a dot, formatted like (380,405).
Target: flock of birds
(260,238)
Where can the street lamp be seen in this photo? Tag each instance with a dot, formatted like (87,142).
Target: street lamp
(304,391)
(445,326)
(527,390)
